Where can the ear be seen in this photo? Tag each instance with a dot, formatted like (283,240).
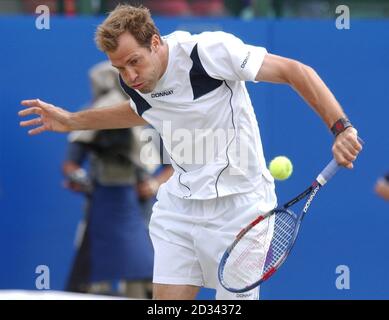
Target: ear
(155,42)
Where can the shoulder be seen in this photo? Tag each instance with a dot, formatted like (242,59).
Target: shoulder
(178,37)
(216,36)
(210,38)
(204,40)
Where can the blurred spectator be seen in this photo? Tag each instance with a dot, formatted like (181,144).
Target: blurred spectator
(240,8)
(186,7)
(29,6)
(114,249)
(207,7)
(10,7)
(248,9)
(168,8)
(109,5)
(311,9)
(382,187)
(236,7)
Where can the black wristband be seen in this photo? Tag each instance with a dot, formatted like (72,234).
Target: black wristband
(340,125)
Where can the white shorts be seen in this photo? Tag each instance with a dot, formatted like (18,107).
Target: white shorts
(190,236)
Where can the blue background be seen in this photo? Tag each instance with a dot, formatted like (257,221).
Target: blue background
(347,224)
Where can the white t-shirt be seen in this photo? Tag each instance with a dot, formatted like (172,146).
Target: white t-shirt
(202,98)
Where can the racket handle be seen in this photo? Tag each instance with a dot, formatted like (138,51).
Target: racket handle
(328,172)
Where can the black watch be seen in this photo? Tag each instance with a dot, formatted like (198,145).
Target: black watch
(340,125)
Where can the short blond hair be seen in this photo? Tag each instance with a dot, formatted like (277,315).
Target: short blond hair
(126,18)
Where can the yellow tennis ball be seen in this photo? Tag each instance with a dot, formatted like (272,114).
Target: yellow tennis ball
(281,168)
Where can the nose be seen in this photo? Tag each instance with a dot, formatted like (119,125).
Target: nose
(130,75)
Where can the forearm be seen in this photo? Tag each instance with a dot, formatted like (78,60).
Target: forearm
(313,90)
(115,117)
(307,83)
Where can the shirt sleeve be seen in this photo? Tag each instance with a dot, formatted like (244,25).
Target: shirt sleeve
(226,57)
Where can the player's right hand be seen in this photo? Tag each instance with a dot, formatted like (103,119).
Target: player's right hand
(50,117)
(347,147)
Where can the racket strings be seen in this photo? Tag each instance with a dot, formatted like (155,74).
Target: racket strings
(249,261)
(247,258)
(284,229)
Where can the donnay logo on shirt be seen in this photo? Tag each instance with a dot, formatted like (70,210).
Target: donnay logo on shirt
(162,93)
(245,60)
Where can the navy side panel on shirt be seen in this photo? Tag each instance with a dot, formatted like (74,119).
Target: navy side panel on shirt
(141,104)
(201,82)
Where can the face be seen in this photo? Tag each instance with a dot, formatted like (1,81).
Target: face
(139,67)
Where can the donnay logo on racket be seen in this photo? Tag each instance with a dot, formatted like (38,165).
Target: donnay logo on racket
(310,198)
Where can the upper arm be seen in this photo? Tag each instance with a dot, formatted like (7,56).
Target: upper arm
(126,116)
(277,69)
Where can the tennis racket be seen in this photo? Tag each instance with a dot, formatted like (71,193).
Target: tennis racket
(247,263)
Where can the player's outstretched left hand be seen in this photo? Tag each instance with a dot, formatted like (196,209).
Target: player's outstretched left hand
(50,117)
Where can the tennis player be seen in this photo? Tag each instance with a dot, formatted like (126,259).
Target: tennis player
(183,84)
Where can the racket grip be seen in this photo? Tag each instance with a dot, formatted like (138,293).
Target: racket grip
(328,172)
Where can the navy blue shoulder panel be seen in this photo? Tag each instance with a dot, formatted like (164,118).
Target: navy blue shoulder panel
(141,104)
(200,80)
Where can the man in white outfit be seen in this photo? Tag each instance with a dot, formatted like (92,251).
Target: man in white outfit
(191,88)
